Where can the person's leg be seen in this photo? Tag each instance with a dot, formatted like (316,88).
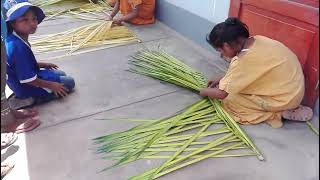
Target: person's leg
(68,82)
(5,109)
(46,97)
(59,72)
(301,113)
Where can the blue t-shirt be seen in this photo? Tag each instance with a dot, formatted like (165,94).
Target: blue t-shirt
(22,68)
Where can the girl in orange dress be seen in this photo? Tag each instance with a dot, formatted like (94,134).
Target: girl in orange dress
(138,12)
(264,81)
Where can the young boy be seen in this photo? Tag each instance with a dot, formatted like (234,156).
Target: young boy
(26,77)
(138,12)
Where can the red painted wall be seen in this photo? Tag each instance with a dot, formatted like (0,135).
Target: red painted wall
(292,22)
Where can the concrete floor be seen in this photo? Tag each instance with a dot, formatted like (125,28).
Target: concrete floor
(60,148)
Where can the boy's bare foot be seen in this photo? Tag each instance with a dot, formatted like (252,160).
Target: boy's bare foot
(24,113)
(302,113)
(5,169)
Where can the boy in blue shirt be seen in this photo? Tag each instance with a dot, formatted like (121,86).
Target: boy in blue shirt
(26,77)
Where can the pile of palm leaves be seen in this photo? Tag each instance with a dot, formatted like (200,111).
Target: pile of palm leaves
(202,131)
(46,3)
(100,34)
(81,9)
(88,11)
(43,3)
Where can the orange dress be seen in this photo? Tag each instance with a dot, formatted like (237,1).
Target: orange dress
(263,82)
(146,10)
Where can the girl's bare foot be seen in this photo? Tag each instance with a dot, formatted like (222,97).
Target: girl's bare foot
(302,113)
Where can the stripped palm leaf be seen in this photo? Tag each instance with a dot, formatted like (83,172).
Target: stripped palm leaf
(84,11)
(101,35)
(45,3)
(313,128)
(80,9)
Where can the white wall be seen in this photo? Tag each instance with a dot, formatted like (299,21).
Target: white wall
(212,10)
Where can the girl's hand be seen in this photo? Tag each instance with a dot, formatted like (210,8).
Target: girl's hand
(213,84)
(213,93)
(204,92)
(117,20)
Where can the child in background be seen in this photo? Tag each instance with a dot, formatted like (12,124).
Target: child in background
(264,81)
(26,77)
(138,12)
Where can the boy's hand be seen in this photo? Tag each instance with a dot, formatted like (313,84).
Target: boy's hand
(48,66)
(52,66)
(58,89)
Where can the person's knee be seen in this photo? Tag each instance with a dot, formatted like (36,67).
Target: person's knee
(60,73)
(68,82)
(72,84)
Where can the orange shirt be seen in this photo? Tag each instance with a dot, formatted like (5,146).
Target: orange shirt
(146,10)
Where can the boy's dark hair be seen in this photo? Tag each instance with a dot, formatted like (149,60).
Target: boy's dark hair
(228,31)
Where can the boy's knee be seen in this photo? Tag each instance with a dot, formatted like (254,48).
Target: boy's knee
(60,73)
(68,82)
(71,84)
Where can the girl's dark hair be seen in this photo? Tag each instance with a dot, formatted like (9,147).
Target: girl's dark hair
(228,31)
